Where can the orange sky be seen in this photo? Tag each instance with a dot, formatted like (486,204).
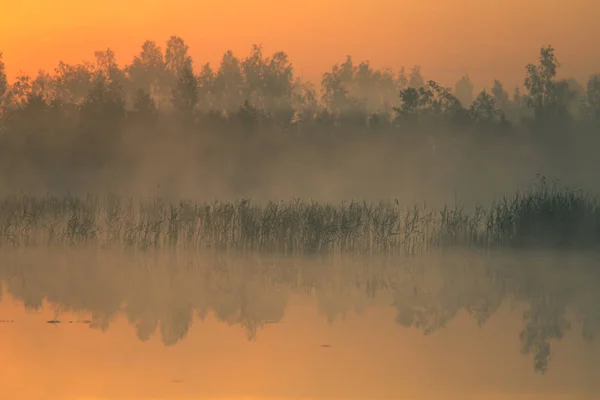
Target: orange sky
(370,357)
(492,38)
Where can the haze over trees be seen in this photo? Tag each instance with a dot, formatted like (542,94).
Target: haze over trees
(251,120)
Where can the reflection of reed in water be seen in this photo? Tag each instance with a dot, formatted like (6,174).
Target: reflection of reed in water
(166,293)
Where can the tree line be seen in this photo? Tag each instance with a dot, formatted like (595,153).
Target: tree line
(80,115)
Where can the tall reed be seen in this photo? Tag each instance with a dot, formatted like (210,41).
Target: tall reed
(546,216)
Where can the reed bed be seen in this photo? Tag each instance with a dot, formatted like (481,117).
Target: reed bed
(546,216)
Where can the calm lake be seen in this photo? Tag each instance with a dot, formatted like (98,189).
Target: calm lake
(112,324)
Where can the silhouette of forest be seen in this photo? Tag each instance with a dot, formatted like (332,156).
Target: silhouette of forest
(250,127)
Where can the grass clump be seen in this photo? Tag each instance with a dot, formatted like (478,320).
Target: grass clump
(546,216)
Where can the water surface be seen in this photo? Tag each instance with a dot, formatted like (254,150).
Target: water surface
(82,324)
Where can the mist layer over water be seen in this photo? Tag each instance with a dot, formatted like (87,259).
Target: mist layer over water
(448,324)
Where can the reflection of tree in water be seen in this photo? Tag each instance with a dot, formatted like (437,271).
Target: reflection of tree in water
(590,315)
(549,290)
(176,324)
(247,302)
(336,296)
(165,293)
(544,321)
(429,302)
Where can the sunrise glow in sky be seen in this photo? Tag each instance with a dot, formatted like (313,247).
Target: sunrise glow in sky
(491,39)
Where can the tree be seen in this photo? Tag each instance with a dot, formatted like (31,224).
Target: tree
(432,103)
(3,80)
(304,101)
(185,93)
(3,90)
(144,106)
(517,98)
(464,91)
(592,97)
(229,83)
(106,65)
(365,80)
(336,86)
(254,69)
(43,84)
(483,110)
(376,88)
(410,100)
(500,95)
(402,80)
(359,88)
(73,82)
(575,97)
(21,89)
(278,80)
(386,89)
(249,116)
(176,56)
(102,114)
(103,103)
(206,86)
(268,79)
(539,80)
(415,80)
(547,97)
(440,101)
(147,70)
